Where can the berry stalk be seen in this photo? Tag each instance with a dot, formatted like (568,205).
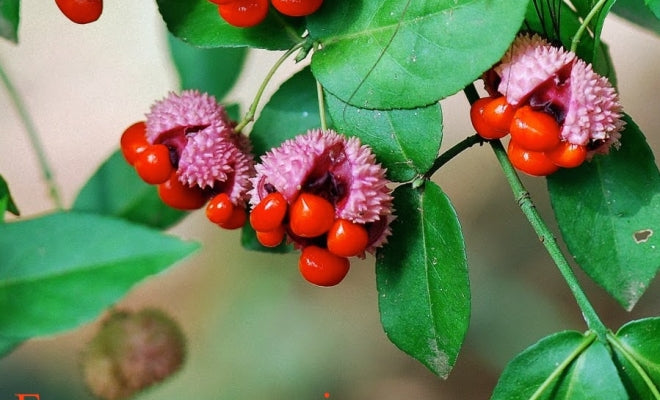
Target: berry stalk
(249,116)
(35,139)
(587,20)
(546,237)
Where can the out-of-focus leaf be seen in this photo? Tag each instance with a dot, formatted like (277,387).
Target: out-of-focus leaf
(608,211)
(9,19)
(422,279)
(61,270)
(213,71)
(115,189)
(637,12)
(405,141)
(6,201)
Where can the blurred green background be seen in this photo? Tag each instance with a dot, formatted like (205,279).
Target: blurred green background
(255,329)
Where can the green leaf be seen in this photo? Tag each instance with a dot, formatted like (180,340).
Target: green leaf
(567,365)
(213,71)
(637,352)
(7,346)
(608,211)
(9,19)
(292,110)
(197,22)
(406,141)
(408,54)
(61,270)
(6,201)
(422,279)
(115,189)
(654,6)
(637,12)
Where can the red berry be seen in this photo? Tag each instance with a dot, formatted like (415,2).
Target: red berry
(154,165)
(297,8)
(81,11)
(236,220)
(271,238)
(219,209)
(488,117)
(269,213)
(531,162)
(176,195)
(133,141)
(321,267)
(244,13)
(347,239)
(535,130)
(568,155)
(310,215)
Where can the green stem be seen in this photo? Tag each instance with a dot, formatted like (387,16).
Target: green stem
(455,150)
(587,20)
(249,116)
(321,99)
(34,138)
(547,238)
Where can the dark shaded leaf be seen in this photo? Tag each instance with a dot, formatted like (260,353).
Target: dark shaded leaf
(6,201)
(115,189)
(9,19)
(422,279)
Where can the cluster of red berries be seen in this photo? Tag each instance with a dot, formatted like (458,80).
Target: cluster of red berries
(536,146)
(247,13)
(81,11)
(154,164)
(310,219)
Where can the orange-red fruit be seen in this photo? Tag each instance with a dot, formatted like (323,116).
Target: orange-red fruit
(271,238)
(568,155)
(176,195)
(499,114)
(320,267)
(534,130)
(236,220)
(269,213)
(478,117)
(81,11)
(531,162)
(154,165)
(134,141)
(310,215)
(219,209)
(297,8)
(347,239)
(244,13)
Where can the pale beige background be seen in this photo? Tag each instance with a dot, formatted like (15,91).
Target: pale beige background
(85,84)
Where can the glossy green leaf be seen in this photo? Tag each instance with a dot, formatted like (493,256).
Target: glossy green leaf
(567,365)
(637,352)
(61,270)
(115,189)
(6,201)
(422,279)
(654,6)
(608,211)
(409,54)
(9,19)
(637,12)
(213,71)
(292,110)
(405,141)
(197,22)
